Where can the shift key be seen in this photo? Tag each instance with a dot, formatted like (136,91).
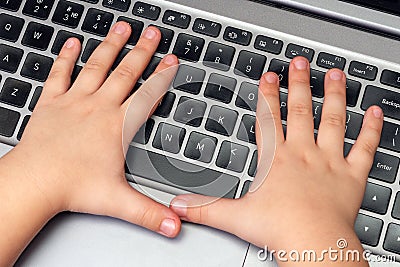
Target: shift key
(389,101)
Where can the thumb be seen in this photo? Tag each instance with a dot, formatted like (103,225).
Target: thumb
(211,211)
(132,206)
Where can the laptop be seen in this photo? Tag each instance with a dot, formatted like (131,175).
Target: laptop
(235,41)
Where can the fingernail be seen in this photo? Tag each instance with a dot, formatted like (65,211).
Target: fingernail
(301,63)
(149,33)
(120,28)
(270,78)
(168,227)
(180,207)
(169,59)
(70,43)
(336,75)
(377,113)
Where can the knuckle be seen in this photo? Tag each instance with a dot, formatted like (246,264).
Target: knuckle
(300,82)
(334,119)
(126,72)
(144,49)
(368,147)
(145,218)
(203,214)
(266,115)
(56,73)
(299,109)
(110,44)
(147,95)
(94,65)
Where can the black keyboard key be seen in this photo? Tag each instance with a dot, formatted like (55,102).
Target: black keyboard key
(353,124)
(281,68)
(245,189)
(391,78)
(10,57)
(189,79)
(250,65)
(147,11)
(165,106)
(120,5)
(61,38)
(385,167)
(390,136)
(10,27)
(248,96)
(180,174)
(38,8)
(37,67)
(232,156)
(91,45)
(8,121)
(137,28)
(376,198)
(389,101)
(392,239)
(97,22)
(120,57)
(68,14)
(37,36)
(23,126)
(253,165)
(91,1)
(206,27)
(268,44)
(166,39)
(294,50)
(151,67)
(219,56)
(176,19)
(247,129)
(329,61)
(221,120)
(362,70)
(12,5)
(75,73)
(35,98)
(188,47)
(237,36)
(368,229)
(169,138)
(220,87)
(346,149)
(353,89)
(317,80)
(15,92)
(283,97)
(144,132)
(190,111)
(396,207)
(200,147)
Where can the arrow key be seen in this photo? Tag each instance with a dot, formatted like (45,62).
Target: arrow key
(376,198)
(368,229)
(392,239)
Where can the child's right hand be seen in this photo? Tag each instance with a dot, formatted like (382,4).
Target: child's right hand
(311,196)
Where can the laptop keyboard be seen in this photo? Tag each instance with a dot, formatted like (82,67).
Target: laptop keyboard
(201,138)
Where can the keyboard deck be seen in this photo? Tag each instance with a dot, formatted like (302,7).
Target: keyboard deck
(209,113)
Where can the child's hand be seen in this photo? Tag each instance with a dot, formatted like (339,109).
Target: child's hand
(311,196)
(72,148)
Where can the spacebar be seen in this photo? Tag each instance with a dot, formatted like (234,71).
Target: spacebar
(180,174)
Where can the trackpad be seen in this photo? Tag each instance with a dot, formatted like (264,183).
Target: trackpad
(86,240)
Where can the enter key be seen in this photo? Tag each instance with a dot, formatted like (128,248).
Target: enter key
(385,167)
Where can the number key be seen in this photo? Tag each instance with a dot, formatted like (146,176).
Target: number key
(68,14)
(250,65)
(188,47)
(12,5)
(97,22)
(121,5)
(38,8)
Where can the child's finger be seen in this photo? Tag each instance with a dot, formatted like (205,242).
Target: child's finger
(95,70)
(362,153)
(210,211)
(123,78)
(130,205)
(268,108)
(300,123)
(59,79)
(141,105)
(333,119)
